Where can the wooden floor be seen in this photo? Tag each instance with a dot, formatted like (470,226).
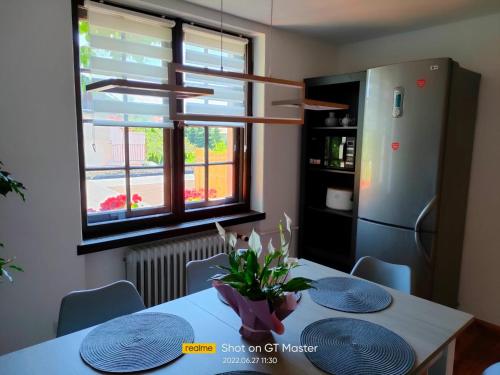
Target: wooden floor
(477,348)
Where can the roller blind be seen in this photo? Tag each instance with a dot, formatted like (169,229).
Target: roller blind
(202,48)
(116,43)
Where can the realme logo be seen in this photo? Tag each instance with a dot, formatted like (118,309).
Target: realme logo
(199,348)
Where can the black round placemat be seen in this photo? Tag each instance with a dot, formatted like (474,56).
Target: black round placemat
(136,342)
(357,347)
(350,295)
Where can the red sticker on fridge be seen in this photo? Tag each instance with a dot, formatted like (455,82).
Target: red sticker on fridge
(395,146)
(420,83)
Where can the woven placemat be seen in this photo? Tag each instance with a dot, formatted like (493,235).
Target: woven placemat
(350,295)
(136,342)
(357,347)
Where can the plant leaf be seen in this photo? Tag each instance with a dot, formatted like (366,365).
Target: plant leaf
(296,284)
(17,268)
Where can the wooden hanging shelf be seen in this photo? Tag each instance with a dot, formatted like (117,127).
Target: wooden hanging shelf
(247,119)
(179,68)
(314,105)
(124,86)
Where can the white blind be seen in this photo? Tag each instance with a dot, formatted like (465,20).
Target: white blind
(116,43)
(202,48)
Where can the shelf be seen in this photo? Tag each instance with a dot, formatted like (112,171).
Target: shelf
(328,256)
(331,211)
(310,104)
(230,118)
(123,86)
(334,128)
(329,170)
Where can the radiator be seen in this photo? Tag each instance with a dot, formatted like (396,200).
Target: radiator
(158,269)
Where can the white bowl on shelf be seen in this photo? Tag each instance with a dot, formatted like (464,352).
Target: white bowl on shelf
(339,199)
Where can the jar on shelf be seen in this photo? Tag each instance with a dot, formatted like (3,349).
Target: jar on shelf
(331,120)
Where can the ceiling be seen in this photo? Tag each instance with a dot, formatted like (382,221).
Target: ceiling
(343,21)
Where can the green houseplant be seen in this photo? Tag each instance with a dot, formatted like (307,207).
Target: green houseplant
(257,286)
(9,185)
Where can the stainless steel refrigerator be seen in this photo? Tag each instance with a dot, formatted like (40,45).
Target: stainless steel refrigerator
(416,152)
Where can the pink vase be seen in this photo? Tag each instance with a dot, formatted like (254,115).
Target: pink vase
(257,318)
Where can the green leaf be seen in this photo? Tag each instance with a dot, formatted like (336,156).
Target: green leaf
(234,262)
(17,268)
(296,284)
(252,263)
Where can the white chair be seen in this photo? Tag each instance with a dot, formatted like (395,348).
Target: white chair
(396,276)
(85,308)
(199,272)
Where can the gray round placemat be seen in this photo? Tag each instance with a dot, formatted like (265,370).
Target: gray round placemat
(350,295)
(136,342)
(357,347)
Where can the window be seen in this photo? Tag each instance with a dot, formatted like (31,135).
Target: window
(210,160)
(138,168)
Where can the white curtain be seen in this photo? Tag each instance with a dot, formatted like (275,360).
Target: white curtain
(116,43)
(202,48)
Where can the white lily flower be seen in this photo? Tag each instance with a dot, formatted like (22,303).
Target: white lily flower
(232,240)
(270,247)
(6,275)
(288,223)
(254,243)
(222,231)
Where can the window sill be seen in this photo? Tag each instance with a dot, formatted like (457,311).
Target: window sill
(159,233)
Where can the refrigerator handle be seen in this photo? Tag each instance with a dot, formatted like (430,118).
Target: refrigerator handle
(418,224)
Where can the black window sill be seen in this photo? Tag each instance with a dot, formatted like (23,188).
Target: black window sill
(158,233)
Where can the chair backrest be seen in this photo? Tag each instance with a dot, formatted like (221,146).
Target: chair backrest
(396,276)
(199,272)
(85,308)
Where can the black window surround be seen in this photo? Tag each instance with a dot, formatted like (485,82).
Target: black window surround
(181,218)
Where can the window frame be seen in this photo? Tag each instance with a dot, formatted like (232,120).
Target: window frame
(180,212)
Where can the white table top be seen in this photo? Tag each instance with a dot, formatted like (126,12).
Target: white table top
(426,326)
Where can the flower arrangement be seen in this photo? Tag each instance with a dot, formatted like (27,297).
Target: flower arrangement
(8,185)
(118,202)
(257,286)
(194,195)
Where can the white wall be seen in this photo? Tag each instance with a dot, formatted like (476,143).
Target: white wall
(475,44)
(38,143)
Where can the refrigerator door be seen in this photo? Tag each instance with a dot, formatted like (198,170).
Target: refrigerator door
(400,246)
(402,134)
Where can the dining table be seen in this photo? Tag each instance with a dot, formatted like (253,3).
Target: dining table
(429,328)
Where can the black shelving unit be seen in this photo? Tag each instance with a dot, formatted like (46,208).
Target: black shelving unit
(328,236)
